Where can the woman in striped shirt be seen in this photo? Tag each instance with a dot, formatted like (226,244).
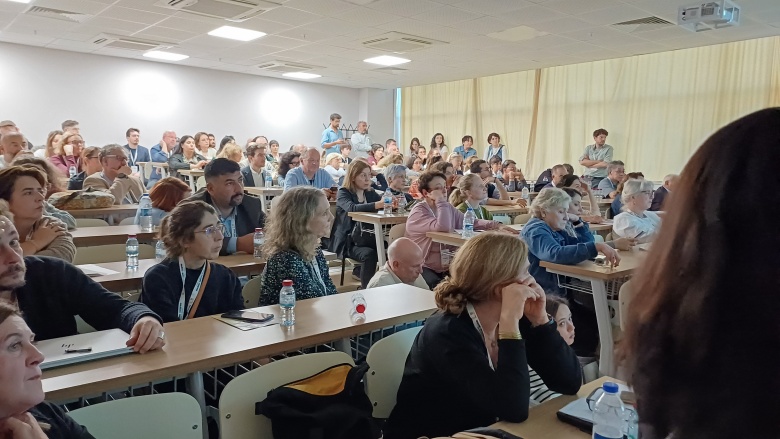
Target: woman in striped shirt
(558,308)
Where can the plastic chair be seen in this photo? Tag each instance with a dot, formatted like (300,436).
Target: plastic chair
(397,231)
(129,221)
(166,415)
(237,402)
(503,219)
(597,238)
(109,253)
(90,222)
(523,218)
(625,295)
(251,292)
(386,360)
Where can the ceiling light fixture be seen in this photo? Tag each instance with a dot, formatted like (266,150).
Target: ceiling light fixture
(236,33)
(21,1)
(386,60)
(167,56)
(302,75)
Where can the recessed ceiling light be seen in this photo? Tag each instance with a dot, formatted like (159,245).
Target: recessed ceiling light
(302,75)
(21,1)
(236,33)
(386,60)
(167,56)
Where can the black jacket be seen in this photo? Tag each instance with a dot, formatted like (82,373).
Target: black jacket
(448,385)
(176,163)
(543,179)
(347,201)
(658,199)
(76,183)
(62,425)
(249,179)
(56,291)
(249,215)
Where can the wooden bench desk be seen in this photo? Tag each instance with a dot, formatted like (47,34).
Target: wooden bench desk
(378,220)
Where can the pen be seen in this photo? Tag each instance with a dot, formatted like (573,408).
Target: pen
(78,351)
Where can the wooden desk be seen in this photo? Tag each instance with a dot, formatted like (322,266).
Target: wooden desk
(205,343)
(124,210)
(599,276)
(265,194)
(506,210)
(192,175)
(605,202)
(455,239)
(87,236)
(379,220)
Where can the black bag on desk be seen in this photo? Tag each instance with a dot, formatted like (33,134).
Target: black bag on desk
(329,405)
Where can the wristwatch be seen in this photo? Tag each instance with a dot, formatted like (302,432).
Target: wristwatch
(121,175)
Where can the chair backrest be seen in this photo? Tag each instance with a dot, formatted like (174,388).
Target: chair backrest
(598,238)
(397,231)
(109,253)
(90,222)
(523,218)
(251,292)
(386,360)
(129,221)
(237,402)
(610,237)
(165,415)
(503,219)
(625,295)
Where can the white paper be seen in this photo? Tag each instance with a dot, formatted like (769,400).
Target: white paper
(93,270)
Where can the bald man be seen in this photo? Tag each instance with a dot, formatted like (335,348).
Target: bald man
(404,266)
(11,144)
(659,196)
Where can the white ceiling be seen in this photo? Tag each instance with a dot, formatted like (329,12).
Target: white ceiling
(328,34)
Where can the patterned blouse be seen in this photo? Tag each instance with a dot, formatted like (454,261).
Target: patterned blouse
(310,279)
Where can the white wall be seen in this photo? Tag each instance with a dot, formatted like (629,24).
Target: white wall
(376,107)
(42,87)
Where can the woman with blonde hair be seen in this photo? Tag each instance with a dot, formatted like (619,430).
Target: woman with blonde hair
(468,366)
(300,218)
(470,191)
(231,151)
(51,140)
(389,160)
(67,153)
(457,162)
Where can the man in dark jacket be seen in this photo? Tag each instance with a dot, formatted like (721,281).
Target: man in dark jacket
(660,194)
(254,173)
(51,292)
(241,214)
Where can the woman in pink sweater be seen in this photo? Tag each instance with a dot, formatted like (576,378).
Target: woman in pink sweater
(436,214)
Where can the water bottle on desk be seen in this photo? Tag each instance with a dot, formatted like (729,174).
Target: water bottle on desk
(526,195)
(468,223)
(401,203)
(259,240)
(609,414)
(159,251)
(388,199)
(131,252)
(287,303)
(145,217)
(72,171)
(357,310)
(269,181)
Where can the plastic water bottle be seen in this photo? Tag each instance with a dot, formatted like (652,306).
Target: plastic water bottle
(145,218)
(357,311)
(72,171)
(159,251)
(287,303)
(525,194)
(268,180)
(609,414)
(468,223)
(401,203)
(388,199)
(131,252)
(259,240)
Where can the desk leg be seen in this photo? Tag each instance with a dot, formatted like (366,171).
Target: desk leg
(197,390)
(606,357)
(263,201)
(191,180)
(379,235)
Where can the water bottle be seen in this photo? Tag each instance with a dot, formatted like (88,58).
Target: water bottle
(609,414)
(468,223)
(159,251)
(259,240)
(358,308)
(72,171)
(131,252)
(287,303)
(268,180)
(401,203)
(388,199)
(145,217)
(525,194)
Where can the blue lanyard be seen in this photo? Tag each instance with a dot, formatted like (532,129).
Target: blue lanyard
(195,290)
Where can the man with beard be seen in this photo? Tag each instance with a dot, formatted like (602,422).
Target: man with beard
(51,292)
(240,214)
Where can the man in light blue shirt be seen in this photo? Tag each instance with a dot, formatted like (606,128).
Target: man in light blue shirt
(361,143)
(310,174)
(466,149)
(597,157)
(332,138)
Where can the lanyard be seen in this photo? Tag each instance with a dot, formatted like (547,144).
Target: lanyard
(133,156)
(316,268)
(195,290)
(230,221)
(475,320)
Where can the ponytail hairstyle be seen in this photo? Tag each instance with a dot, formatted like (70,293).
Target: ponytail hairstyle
(465,183)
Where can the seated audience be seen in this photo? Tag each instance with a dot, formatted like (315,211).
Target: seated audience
(356,195)
(545,243)
(333,162)
(546,177)
(299,219)
(273,155)
(637,221)
(204,147)
(617,204)
(494,148)
(558,309)
(433,158)
(390,159)
(376,154)
(660,194)
(465,149)
(456,160)
(421,152)
(558,172)
(468,366)
(593,213)
(471,192)
(165,195)
(90,163)
(616,170)
(512,177)
(184,156)
(414,145)
(116,177)
(414,163)
(241,214)
(48,149)
(310,174)
(435,214)
(186,285)
(345,150)
(577,226)
(438,145)
(290,160)
(254,173)
(23,412)
(50,293)
(467,164)
(404,266)
(495,168)
(23,188)
(11,146)
(233,152)
(67,153)
(226,141)
(53,178)
(497,194)
(160,153)
(395,176)
(391,147)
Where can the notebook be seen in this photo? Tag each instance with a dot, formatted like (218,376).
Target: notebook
(103,344)
(93,270)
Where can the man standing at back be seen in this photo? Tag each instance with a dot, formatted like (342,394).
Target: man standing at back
(361,143)
(597,157)
(135,152)
(310,174)
(404,265)
(332,138)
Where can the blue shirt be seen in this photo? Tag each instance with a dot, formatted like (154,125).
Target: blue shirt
(462,151)
(158,156)
(139,154)
(156,214)
(296,177)
(330,136)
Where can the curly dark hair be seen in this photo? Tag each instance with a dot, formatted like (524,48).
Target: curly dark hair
(285,161)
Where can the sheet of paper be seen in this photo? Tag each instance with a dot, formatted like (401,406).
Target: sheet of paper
(93,270)
(246,326)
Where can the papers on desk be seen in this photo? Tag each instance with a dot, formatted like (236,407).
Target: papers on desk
(246,326)
(93,270)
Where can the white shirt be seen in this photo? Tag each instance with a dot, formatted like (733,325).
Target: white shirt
(384,276)
(361,145)
(258,177)
(629,225)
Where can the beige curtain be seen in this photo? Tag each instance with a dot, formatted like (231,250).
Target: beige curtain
(658,108)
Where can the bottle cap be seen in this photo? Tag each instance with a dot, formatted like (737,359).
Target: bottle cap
(360,308)
(146,194)
(287,283)
(132,235)
(610,387)
(258,229)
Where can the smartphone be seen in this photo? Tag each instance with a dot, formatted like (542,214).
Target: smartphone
(248,316)
(334,189)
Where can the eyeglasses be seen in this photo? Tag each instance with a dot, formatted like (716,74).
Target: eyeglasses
(121,158)
(76,142)
(211,230)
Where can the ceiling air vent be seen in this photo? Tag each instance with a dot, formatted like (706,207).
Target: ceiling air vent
(116,42)
(232,10)
(397,42)
(284,67)
(642,24)
(58,14)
